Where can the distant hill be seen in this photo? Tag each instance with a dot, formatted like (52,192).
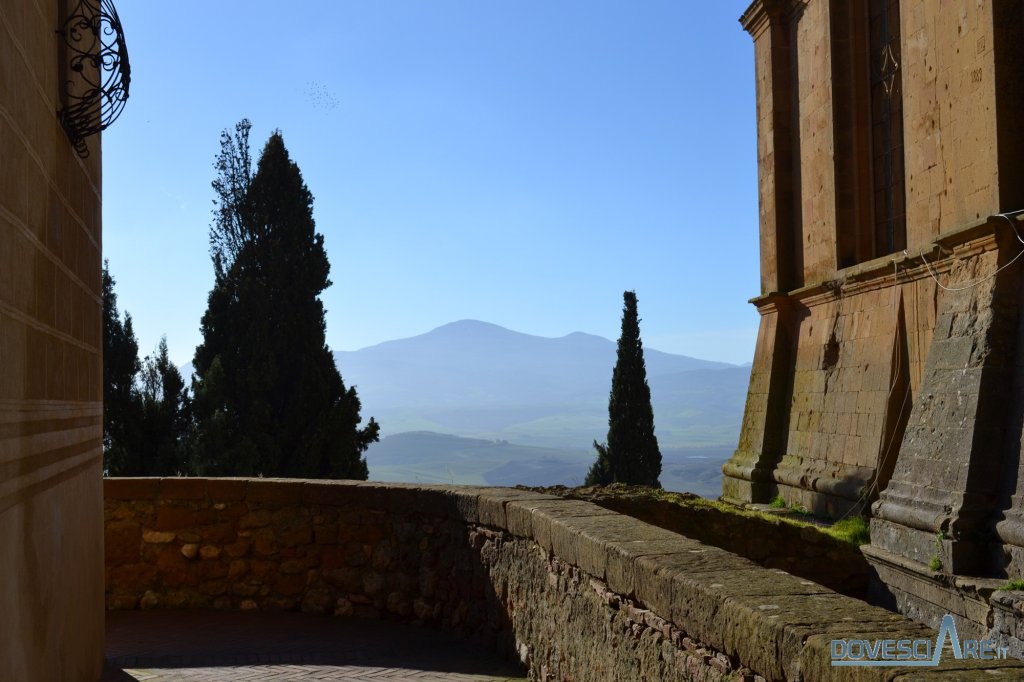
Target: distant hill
(472,362)
(426,457)
(477,403)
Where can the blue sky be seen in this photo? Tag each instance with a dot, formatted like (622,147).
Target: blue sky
(520,162)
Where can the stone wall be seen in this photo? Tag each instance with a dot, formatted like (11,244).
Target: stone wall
(51,594)
(573,590)
(845,334)
(803,551)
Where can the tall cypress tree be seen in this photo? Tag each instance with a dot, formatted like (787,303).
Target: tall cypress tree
(268,397)
(630,454)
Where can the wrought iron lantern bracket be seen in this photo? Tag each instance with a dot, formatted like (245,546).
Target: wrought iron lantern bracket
(95,72)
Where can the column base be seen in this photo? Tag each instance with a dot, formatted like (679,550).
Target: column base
(978,608)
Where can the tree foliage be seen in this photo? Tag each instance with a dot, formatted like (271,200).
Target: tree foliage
(630,454)
(231,229)
(269,399)
(165,418)
(145,404)
(121,405)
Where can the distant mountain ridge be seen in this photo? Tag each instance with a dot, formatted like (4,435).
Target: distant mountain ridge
(474,402)
(475,379)
(490,366)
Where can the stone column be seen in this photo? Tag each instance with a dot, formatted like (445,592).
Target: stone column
(747,476)
(770,24)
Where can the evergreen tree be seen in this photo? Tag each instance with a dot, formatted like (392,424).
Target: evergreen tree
(164,420)
(121,404)
(268,397)
(145,405)
(630,454)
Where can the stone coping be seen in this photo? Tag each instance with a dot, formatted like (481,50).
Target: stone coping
(773,623)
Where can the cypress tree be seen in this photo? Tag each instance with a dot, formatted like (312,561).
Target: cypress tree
(630,454)
(269,399)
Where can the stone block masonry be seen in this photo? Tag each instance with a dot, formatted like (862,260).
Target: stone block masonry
(889,368)
(575,591)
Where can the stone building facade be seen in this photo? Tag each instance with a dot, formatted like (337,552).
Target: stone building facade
(51,496)
(889,370)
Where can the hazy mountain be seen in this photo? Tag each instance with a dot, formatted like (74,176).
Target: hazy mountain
(476,379)
(525,409)
(484,365)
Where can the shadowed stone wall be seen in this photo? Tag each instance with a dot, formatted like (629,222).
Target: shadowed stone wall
(575,591)
(51,532)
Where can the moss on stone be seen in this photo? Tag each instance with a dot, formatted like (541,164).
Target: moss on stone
(853,530)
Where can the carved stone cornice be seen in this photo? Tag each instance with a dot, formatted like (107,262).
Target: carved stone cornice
(763,13)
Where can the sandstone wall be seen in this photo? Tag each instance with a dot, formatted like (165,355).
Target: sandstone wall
(949,105)
(574,590)
(816,157)
(51,594)
(839,348)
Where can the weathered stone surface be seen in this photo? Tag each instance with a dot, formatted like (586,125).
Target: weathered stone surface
(274,490)
(183,488)
(621,560)
(209,552)
(158,537)
(491,504)
(131,488)
(227,490)
(836,564)
(601,596)
(133,577)
(174,517)
(121,542)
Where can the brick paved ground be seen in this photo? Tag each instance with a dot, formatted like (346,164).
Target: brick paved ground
(174,646)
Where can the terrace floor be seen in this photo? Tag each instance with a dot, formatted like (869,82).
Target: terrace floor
(175,646)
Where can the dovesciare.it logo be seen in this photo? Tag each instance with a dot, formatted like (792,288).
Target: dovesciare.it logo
(913,652)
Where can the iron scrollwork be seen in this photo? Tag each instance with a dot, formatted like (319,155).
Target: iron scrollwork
(96,73)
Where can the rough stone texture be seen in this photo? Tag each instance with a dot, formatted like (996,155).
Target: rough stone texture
(573,590)
(892,379)
(941,483)
(830,391)
(840,361)
(51,593)
(769,542)
(748,475)
(927,596)
(949,93)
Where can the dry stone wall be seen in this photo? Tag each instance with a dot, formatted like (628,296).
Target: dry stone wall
(573,590)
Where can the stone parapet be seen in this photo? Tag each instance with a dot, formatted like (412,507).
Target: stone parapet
(766,539)
(572,589)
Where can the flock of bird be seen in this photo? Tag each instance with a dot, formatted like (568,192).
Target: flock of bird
(318,95)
